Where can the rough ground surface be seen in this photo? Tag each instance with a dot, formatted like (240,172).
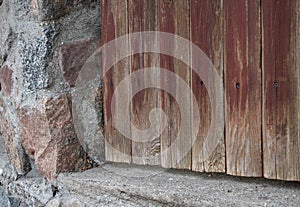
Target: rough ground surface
(130,185)
(127,185)
(119,184)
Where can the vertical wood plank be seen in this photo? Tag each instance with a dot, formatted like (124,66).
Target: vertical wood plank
(142,17)
(166,24)
(181,158)
(173,18)
(243,87)
(207,34)
(114,24)
(281,89)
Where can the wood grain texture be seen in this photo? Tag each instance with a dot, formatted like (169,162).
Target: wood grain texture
(256,43)
(173,17)
(243,87)
(207,33)
(114,24)
(143,17)
(281,89)
(166,23)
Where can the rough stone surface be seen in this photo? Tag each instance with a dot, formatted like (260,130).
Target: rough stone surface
(14,149)
(65,201)
(72,57)
(82,23)
(31,192)
(128,185)
(88,120)
(6,41)
(36,53)
(14,201)
(34,133)
(3,156)
(49,137)
(69,153)
(43,10)
(36,119)
(4,201)
(6,82)
(7,172)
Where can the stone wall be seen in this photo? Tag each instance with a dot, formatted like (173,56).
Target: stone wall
(43,45)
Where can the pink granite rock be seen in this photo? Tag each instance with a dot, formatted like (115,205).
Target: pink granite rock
(48,135)
(72,57)
(6,82)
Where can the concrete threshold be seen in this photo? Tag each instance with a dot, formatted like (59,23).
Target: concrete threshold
(131,185)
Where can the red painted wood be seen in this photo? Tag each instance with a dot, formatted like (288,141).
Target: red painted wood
(173,17)
(230,34)
(166,23)
(281,89)
(243,87)
(207,33)
(114,24)
(142,17)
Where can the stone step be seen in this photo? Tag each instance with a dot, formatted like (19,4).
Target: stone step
(130,185)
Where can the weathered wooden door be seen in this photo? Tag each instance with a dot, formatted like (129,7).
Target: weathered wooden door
(254,46)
